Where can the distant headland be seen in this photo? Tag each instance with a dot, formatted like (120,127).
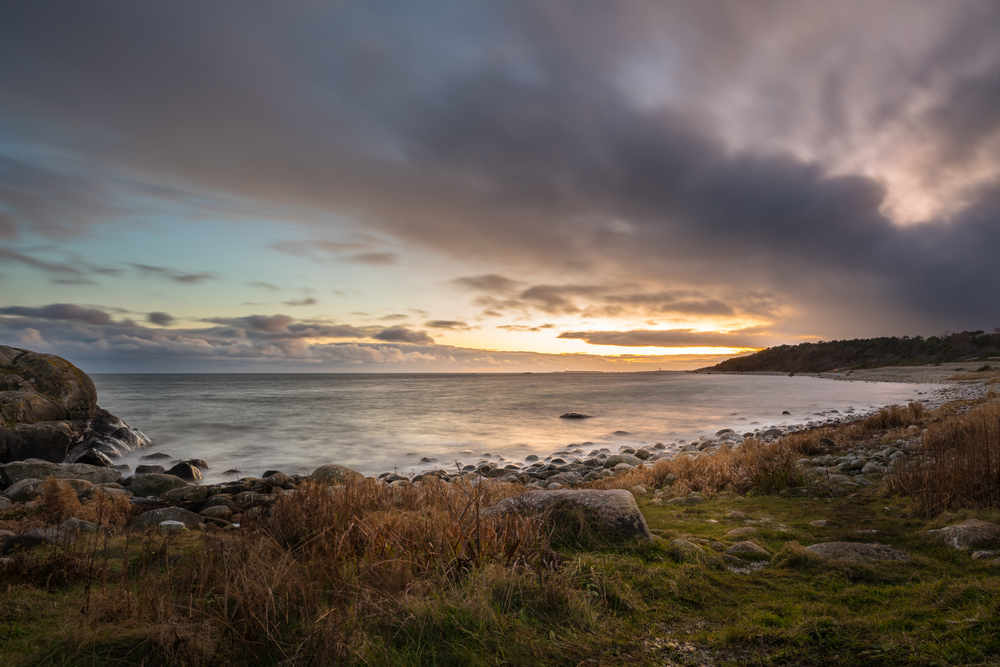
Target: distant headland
(861,353)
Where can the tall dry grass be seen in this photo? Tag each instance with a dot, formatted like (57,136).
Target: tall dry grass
(343,575)
(958,465)
(753,466)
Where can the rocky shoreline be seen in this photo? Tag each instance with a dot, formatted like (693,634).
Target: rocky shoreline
(178,497)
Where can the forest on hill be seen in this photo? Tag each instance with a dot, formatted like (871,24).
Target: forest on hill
(868,353)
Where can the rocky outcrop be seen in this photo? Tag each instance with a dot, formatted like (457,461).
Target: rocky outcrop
(48,411)
(15,471)
(856,552)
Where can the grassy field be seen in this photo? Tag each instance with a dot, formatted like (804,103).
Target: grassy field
(416,577)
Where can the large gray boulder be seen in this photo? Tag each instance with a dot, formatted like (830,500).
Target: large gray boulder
(153,518)
(48,410)
(37,468)
(856,552)
(971,533)
(611,515)
(154,484)
(332,474)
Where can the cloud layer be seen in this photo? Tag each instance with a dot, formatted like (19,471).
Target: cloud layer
(830,169)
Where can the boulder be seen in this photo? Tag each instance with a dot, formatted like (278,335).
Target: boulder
(185,494)
(856,552)
(153,518)
(610,514)
(24,490)
(217,512)
(48,410)
(741,532)
(5,503)
(971,533)
(187,471)
(332,474)
(37,468)
(147,469)
(154,484)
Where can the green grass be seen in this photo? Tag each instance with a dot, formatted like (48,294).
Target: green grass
(591,604)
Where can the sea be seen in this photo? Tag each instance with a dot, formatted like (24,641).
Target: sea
(382,422)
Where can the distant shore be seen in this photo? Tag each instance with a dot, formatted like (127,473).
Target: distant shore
(945,373)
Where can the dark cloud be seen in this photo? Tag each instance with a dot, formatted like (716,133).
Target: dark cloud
(404,335)
(673,145)
(57,268)
(171,274)
(446,324)
(670,338)
(491,283)
(160,318)
(309,301)
(373,258)
(62,311)
(263,285)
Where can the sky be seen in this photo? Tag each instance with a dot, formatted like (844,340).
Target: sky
(508,186)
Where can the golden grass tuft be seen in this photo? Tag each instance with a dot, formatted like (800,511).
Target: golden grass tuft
(958,465)
(59,500)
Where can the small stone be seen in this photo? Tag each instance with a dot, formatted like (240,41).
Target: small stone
(741,532)
(748,549)
(819,523)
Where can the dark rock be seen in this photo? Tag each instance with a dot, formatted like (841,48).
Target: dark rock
(186,471)
(153,518)
(48,408)
(268,473)
(24,490)
(37,468)
(200,464)
(155,456)
(574,415)
(94,457)
(154,484)
(149,469)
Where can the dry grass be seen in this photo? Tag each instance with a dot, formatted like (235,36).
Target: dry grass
(887,419)
(959,465)
(753,466)
(326,576)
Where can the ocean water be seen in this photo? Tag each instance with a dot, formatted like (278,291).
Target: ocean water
(379,422)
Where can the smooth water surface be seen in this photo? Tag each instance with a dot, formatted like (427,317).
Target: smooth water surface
(375,422)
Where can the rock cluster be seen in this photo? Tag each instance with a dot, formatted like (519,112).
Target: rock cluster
(48,410)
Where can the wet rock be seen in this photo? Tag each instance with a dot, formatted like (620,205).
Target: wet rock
(968,534)
(155,484)
(95,458)
(186,471)
(856,552)
(149,469)
(155,456)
